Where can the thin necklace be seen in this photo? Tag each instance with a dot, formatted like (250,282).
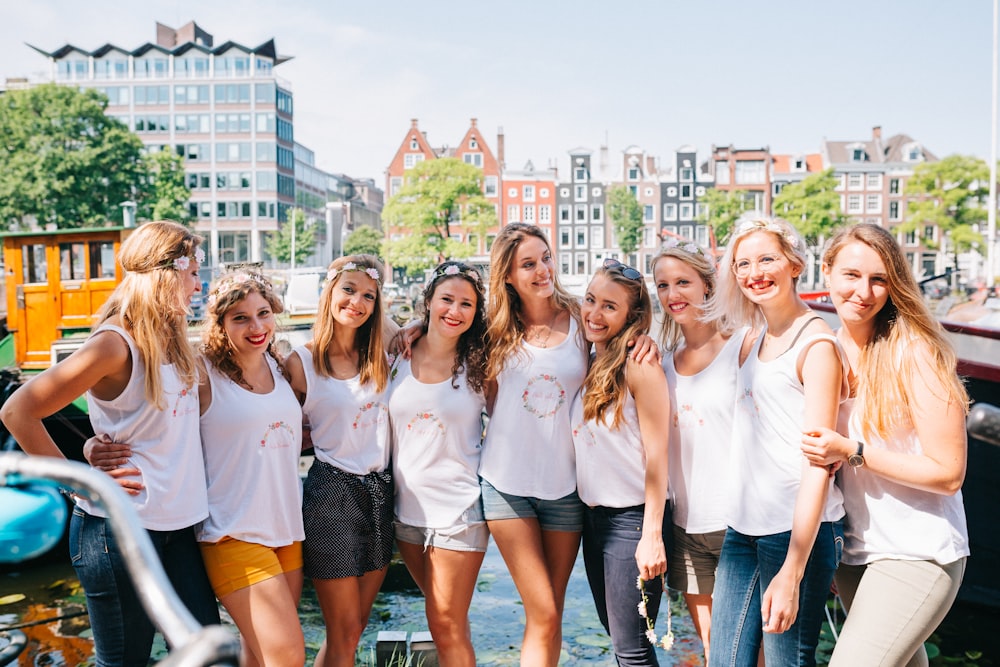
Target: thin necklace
(539,341)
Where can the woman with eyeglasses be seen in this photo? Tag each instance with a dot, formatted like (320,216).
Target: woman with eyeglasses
(435,407)
(620,432)
(784,536)
(906,540)
(700,361)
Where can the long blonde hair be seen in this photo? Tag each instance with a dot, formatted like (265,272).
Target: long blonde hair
(506,329)
(884,380)
(605,386)
(698,260)
(148,301)
(229,291)
(729,306)
(372,362)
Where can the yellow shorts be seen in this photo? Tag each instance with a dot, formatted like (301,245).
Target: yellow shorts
(233,564)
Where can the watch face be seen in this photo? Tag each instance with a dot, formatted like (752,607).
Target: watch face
(855,460)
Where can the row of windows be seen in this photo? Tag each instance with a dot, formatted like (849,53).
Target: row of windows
(222,93)
(566,214)
(232,209)
(201,123)
(198,67)
(516,213)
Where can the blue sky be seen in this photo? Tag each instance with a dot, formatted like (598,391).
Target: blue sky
(657,73)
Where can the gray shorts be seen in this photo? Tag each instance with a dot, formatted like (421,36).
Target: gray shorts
(693,560)
(469,533)
(562,514)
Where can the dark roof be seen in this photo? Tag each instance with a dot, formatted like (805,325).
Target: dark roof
(896,144)
(265,49)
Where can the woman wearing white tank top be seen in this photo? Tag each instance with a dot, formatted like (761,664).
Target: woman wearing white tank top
(906,540)
(783,536)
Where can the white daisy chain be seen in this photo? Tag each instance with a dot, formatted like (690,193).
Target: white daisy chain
(666,642)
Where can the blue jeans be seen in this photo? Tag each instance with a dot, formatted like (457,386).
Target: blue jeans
(123,633)
(746,567)
(610,537)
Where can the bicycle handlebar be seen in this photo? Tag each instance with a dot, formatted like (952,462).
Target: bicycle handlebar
(191,643)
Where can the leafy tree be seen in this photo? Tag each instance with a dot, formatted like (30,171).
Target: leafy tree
(62,160)
(952,195)
(279,244)
(625,214)
(720,211)
(812,205)
(438,197)
(166,193)
(364,240)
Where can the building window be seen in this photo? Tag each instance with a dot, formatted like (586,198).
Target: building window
(514,213)
(529,193)
(596,213)
(929,233)
(597,237)
(750,171)
(490,186)
(564,216)
(854,181)
(545,213)
(410,160)
(564,238)
(395,184)
(910,237)
(687,213)
(580,193)
(874,181)
(529,214)
(873,204)
(633,174)
(894,210)
(647,213)
(234,247)
(581,213)
(581,238)
(670,211)
(686,191)
(687,174)
(580,174)
(854,203)
(475,159)
(722,172)
(894,186)
(414,146)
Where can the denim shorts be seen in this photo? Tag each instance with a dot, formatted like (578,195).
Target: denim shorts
(469,533)
(563,514)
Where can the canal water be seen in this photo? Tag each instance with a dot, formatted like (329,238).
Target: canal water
(45,601)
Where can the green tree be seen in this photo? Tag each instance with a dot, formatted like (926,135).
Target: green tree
(812,205)
(720,211)
(166,194)
(438,197)
(279,244)
(364,240)
(62,160)
(625,214)
(950,194)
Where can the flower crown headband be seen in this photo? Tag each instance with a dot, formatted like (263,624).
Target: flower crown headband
(455,270)
(237,280)
(184,262)
(351,266)
(687,246)
(765,225)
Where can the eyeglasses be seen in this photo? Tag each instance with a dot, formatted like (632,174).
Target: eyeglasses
(627,271)
(743,267)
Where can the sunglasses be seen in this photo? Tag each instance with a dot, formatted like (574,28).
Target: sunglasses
(627,271)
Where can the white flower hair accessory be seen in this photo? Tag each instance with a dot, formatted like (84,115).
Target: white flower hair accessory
(687,246)
(667,640)
(183,263)
(457,270)
(370,271)
(767,225)
(237,280)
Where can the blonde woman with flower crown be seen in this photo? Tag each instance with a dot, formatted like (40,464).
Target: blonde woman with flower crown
(784,536)
(341,378)
(139,374)
(700,361)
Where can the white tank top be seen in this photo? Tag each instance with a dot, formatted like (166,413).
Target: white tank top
(252,444)
(349,420)
(166,445)
(437,439)
(610,463)
(701,434)
(886,519)
(766,459)
(529,444)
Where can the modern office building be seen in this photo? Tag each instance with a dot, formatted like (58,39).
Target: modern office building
(222,108)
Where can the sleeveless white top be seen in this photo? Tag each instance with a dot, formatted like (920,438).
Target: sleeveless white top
(529,444)
(610,462)
(701,434)
(437,439)
(252,444)
(166,445)
(349,420)
(886,519)
(766,459)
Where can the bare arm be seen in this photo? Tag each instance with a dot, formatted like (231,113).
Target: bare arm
(649,388)
(822,375)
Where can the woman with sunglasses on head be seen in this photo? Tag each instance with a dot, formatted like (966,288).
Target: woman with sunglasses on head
(341,377)
(620,436)
(139,373)
(905,536)
(782,542)
(700,361)
(436,407)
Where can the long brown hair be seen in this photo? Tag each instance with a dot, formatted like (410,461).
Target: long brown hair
(884,379)
(506,329)
(605,385)
(471,353)
(148,301)
(373,365)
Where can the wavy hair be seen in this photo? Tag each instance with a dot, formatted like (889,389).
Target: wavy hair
(884,380)
(605,386)
(471,353)
(506,328)
(229,291)
(374,367)
(698,260)
(729,307)
(148,301)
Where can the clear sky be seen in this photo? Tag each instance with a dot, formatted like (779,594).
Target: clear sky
(655,73)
